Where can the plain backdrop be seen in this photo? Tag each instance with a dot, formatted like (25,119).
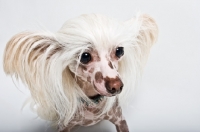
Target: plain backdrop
(168,99)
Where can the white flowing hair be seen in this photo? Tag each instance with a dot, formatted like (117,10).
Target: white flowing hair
(42,60)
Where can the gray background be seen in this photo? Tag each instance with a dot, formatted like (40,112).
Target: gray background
(168,99)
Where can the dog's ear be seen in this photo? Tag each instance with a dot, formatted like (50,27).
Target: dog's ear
(144,32)
(41,61)
(37,59)
(148,31)
(26,52)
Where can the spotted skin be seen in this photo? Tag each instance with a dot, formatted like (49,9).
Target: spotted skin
(101,72)
(110,64)
(99,76)
(91,116)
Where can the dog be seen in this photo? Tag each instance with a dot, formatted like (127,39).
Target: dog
(84,72)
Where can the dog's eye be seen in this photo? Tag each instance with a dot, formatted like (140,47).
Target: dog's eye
(119,52)
(85,58)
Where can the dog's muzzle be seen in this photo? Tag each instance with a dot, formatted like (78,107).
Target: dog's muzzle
(113,85)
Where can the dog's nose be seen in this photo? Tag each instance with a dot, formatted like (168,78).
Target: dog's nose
(113,85)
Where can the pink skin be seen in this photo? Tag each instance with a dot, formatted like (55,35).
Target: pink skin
(100,63)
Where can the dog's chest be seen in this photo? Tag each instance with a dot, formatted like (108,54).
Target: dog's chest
(92,115)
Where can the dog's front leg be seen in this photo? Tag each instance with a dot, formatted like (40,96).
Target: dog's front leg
(67,129)
(115,116)
(121,126)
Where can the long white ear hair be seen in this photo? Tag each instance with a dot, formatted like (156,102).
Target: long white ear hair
(42,64)
(141,34)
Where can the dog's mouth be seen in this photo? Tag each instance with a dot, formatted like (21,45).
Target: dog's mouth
(96,98)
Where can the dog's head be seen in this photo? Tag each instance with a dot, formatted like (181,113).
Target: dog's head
(99,67)
(104,42)
(90,55)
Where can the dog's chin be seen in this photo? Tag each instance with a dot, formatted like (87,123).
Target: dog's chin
(104,94)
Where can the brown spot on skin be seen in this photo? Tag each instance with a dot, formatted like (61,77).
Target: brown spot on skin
(123,126)
(91,70)
(117,127)
(83,67)
(89,79)
(110,113)
(99,59)
(114,119)
(98,77)
(118,111)
(94,110)
(107,117)
(86,87)
(110,64)
(88,122)
(95,56)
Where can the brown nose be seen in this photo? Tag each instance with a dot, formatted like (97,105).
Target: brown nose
(113,85)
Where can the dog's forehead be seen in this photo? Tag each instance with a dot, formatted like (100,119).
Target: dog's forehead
(101,53)
(104,57)
(108,54)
